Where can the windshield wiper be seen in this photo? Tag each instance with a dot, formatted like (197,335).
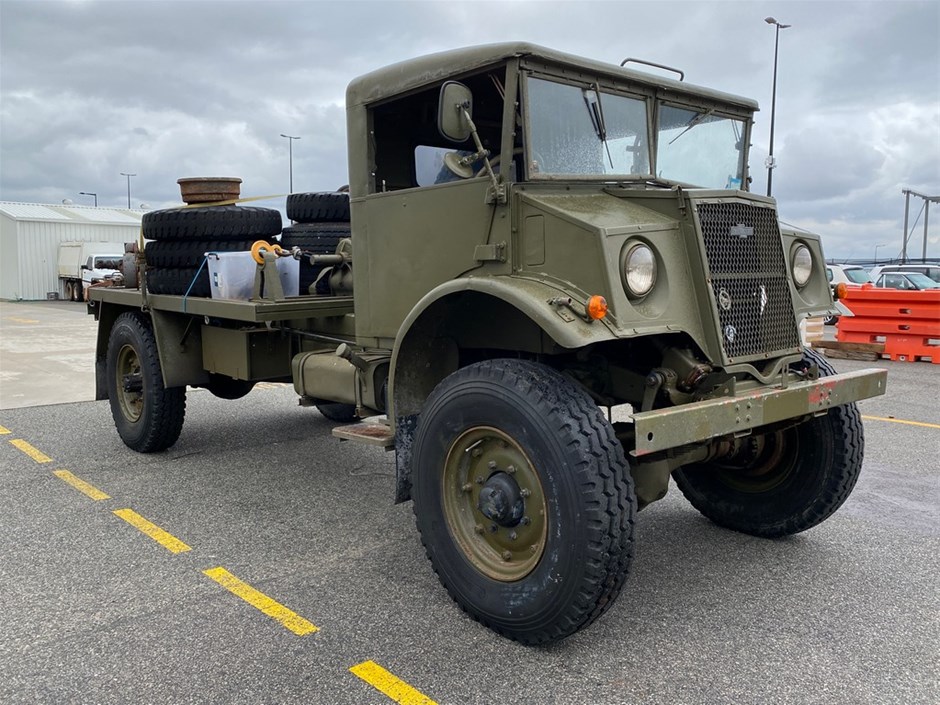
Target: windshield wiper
(697,119)
(596,111)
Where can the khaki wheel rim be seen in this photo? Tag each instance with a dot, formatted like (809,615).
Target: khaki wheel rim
(494,504)
(129,384)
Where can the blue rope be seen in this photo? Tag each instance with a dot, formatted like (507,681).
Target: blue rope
(205,259)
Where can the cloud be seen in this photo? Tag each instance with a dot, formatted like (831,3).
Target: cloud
(171,89)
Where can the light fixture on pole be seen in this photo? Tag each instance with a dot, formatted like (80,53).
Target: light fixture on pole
(290,156)
(770,163)
(88,193)
(128,188)
(876,252)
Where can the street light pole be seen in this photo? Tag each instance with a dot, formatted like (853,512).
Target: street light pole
(773,102)
(88,193)
(290,155)
(128,188)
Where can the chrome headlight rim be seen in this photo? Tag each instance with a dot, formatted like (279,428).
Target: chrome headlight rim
(638,270)
(801,265)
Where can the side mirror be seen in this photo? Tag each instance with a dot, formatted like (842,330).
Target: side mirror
(451,121)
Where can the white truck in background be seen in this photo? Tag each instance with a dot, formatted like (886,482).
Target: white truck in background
(81,264)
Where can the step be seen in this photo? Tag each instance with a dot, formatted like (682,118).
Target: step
(370,433)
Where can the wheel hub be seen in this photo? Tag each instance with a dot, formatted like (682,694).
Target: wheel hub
(494,504)
(501,500)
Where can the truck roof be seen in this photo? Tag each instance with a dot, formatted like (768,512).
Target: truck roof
(406,75)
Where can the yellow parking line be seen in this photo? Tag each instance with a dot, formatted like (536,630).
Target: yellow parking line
(167,540)
(5,431)
(392,686)
(32,452)
(278,612)
(909,423)
(80,485)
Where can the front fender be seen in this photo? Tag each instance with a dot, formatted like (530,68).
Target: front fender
(428,339)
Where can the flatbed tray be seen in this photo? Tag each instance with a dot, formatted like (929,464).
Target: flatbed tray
(255,311)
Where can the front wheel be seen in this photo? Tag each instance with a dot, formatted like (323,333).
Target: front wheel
(786,481)
(148,416)
(523,499)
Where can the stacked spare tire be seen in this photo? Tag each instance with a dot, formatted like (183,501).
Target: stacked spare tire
(321,220)
(182,236)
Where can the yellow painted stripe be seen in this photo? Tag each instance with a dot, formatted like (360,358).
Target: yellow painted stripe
(32,452)
(22,320)
(5,431)
(385,682)
(80,485)
(909,423)
(278,612)
(167,540)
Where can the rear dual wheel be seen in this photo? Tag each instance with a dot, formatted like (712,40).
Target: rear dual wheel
(523,499)
(148,416)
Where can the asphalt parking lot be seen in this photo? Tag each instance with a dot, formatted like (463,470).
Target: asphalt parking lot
(336,603)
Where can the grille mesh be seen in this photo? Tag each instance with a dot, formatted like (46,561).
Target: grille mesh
(749,280)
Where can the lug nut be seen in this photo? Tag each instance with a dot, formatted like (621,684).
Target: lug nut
(467,487)
(476,452)
(507,556)
(479,480)
(524,492)
(526,521)
(479,529)
(512,536)
(491,465)
(511,469)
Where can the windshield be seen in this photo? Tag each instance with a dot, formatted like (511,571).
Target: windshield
(700,148)
(580,130)
(108,262)
(858,276)
(922,281)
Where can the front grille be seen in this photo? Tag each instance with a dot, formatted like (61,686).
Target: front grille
(748,272)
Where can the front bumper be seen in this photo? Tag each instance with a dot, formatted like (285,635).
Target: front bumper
(662,429)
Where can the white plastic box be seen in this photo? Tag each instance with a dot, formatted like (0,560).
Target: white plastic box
(232,275)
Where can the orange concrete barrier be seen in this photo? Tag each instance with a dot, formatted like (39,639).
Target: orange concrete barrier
(907,322)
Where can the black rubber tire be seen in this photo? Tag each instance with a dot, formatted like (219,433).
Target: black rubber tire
(189,253)
(588,489)
(821,462)
(335,411)
(225,387)
(160,419)
(177,281)
(318,238)
(212,223)
(318,207)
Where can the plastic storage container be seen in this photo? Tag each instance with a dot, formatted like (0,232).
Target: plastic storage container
(232,275)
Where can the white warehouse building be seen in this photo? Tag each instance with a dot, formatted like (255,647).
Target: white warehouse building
(30,234)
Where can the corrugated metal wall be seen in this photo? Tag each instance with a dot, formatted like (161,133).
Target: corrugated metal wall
(34,246)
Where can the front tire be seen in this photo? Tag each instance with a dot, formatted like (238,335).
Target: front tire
(523,499)
(786,481)
(148,416)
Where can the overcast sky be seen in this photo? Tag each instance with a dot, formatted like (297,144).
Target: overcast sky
(92,88)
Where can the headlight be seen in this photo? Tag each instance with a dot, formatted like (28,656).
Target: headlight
(802,265)
(639,270)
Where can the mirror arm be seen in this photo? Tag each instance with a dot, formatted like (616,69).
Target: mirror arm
(497,190)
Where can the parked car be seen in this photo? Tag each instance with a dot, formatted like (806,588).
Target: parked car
(847,274)
(909,281)
(931,270)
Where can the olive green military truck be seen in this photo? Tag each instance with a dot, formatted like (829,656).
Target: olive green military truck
(549,290)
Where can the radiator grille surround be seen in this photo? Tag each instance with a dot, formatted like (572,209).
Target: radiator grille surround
(749,280)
